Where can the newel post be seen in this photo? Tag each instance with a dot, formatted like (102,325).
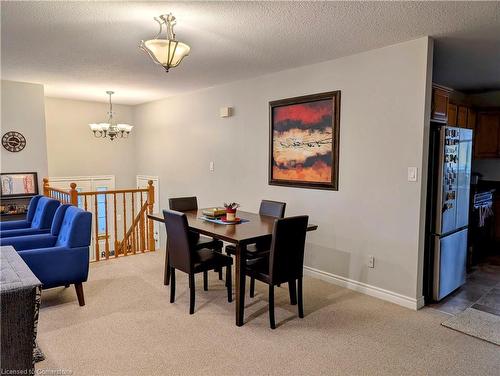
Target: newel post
(46,187)
(73,194)
(151,201)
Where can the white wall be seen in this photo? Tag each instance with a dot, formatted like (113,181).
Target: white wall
(23,111)
(375,212)
(74,151)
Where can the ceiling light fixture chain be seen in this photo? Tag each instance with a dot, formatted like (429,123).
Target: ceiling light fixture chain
(110,129)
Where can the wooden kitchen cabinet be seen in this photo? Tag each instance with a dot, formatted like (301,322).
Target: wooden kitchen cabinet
(440,100)
(462,117)
(471,118)
(487,135)
(452,114)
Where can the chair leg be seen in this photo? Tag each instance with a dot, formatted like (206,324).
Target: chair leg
(301,302)
(79,294)
(66,285)
(271,307)
(292,289)
(191,294)
(172,285)
(166,277)
(252,287)
(205,281)
(220,270)
(229,284)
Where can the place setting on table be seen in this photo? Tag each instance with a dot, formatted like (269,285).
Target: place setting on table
(223,215)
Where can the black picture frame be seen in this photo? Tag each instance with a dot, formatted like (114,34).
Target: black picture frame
(3,176)
(333,184)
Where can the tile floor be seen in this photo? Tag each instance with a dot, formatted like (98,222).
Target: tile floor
(481,291)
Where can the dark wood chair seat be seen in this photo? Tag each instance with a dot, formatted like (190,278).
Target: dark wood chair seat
(201,242)
(184,256)
(252,250)
(182,204)
(206,259)
(285,261)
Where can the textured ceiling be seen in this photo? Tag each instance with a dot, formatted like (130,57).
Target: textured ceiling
(80,49)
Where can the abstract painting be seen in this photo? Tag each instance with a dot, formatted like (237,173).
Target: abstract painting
(304,141)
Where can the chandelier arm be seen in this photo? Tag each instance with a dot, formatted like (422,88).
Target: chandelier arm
(160,23)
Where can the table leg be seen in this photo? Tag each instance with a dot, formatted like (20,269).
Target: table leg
(240,284)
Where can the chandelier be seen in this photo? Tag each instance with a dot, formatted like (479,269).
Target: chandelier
(166,51)
(110,129)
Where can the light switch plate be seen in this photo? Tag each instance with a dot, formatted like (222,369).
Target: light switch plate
(211,166)
(412,174)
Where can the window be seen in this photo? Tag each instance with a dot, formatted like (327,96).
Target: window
(101,211)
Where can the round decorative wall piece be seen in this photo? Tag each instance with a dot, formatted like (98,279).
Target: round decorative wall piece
(13,141)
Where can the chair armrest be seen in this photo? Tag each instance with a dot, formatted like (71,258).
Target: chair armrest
(13,225)
(58,266)
(21,243)
(23,232)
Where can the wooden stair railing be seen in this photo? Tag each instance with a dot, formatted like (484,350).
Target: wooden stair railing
(137,237)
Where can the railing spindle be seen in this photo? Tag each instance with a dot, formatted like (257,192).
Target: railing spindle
(106,244)
(151,200)
(96,229)
(115,226)
(133,217)
(124,243)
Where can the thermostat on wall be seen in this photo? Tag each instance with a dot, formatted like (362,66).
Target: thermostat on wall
(226,112)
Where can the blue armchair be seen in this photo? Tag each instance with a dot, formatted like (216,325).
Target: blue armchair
(61,257)
(41,211)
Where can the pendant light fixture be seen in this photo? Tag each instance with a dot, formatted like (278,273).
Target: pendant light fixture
(110,129)
(165,51)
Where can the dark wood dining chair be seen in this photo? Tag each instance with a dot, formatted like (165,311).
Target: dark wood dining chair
(183,204)
(186,256)
(285,262)
(268,208)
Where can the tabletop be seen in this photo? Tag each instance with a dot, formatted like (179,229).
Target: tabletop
(258,226)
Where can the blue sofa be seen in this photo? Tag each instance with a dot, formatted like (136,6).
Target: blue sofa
(61,257)
(41,212)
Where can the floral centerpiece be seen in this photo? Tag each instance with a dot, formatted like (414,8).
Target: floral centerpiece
(231,210)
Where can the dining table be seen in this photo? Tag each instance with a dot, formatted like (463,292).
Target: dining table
(255,227)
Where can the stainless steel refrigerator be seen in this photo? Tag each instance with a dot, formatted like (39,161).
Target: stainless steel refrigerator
(448,212)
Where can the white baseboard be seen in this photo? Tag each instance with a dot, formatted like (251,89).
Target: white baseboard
(365,288)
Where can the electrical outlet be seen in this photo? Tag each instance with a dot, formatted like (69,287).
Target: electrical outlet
(371,261)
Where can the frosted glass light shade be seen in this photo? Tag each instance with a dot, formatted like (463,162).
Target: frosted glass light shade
(95,127)
(168,53)
(104,126)
(124,127)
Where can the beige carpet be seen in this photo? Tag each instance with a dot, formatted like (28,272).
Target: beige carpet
(476,323)
(128,327)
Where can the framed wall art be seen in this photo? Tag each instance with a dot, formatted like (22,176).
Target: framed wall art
(19,184)
(304,141)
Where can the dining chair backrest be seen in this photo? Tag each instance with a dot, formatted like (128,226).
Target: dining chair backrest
(272,208)
(183,204)
(179,252)
(287,249)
